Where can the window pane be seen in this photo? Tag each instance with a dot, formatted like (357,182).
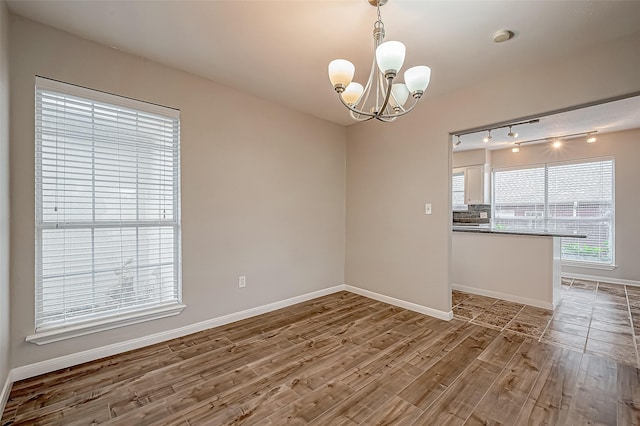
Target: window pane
(519,198)
(107,182)
(581,200)
(457,195)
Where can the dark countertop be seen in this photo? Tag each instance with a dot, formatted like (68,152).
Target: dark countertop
(486,228)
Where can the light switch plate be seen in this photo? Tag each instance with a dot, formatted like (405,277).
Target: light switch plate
(427,208)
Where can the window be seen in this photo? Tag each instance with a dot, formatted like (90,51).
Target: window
(576,197)
(107,208)
(457,188)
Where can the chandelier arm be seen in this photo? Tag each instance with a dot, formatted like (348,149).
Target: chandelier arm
(403,112)
(367,88)
(386,97)
(386,120)
(358,118)
(357,111)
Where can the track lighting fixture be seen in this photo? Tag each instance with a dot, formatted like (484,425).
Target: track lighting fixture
(556,140)
(487,138)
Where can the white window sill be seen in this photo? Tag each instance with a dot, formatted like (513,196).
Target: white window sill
(63,333)
(587,265)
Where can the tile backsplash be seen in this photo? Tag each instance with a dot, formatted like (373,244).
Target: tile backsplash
(476,213)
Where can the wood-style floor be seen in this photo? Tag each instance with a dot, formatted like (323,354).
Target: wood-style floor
(342,359)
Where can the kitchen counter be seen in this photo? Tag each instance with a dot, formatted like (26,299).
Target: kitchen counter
(511,264)
(488,229)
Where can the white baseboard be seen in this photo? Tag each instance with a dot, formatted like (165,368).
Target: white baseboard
(43,367)
(401,303)
(602,279)
(503,296)
(4,394)
(32,370)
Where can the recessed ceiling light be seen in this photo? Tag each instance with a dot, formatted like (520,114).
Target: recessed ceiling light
(557,143)
(503,35)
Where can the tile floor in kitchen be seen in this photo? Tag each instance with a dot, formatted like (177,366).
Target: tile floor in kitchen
(594,317)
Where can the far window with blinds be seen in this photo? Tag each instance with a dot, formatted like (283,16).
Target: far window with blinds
(107,206)
(571,197)
(457,191)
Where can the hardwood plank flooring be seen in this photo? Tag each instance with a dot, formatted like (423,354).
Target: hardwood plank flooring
(344,359)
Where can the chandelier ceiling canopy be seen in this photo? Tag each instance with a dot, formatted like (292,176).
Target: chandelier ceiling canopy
(381,98)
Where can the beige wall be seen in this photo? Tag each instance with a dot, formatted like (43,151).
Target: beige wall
(392,170)
(624,147)
(4,194)
(263,187)
(470,158)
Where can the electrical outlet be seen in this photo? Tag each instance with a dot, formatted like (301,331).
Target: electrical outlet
(242,281)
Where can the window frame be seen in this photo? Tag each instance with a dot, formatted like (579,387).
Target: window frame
(94,322)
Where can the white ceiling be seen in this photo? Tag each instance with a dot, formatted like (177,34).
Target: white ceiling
(623,114)
(279,50)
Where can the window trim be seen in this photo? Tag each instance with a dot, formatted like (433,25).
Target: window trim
(58,333)
(48,334)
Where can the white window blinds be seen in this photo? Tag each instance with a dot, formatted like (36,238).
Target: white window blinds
(107,205)
(457,191)
(567,198)
(518,199)
(581,199)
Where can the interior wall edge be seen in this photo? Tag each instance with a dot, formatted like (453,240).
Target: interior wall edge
(443,315)
(6,389)
(5,230)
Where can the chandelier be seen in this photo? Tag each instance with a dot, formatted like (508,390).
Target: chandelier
(380,98)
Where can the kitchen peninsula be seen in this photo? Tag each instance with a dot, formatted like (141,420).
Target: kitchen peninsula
(512,264)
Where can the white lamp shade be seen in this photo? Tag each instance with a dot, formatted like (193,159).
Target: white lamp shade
(417,78)
(352,93)
(400,93)
(341,72)
(390,56)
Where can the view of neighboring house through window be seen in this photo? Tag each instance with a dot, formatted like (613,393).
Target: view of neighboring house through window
(107,206)
(562,197)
